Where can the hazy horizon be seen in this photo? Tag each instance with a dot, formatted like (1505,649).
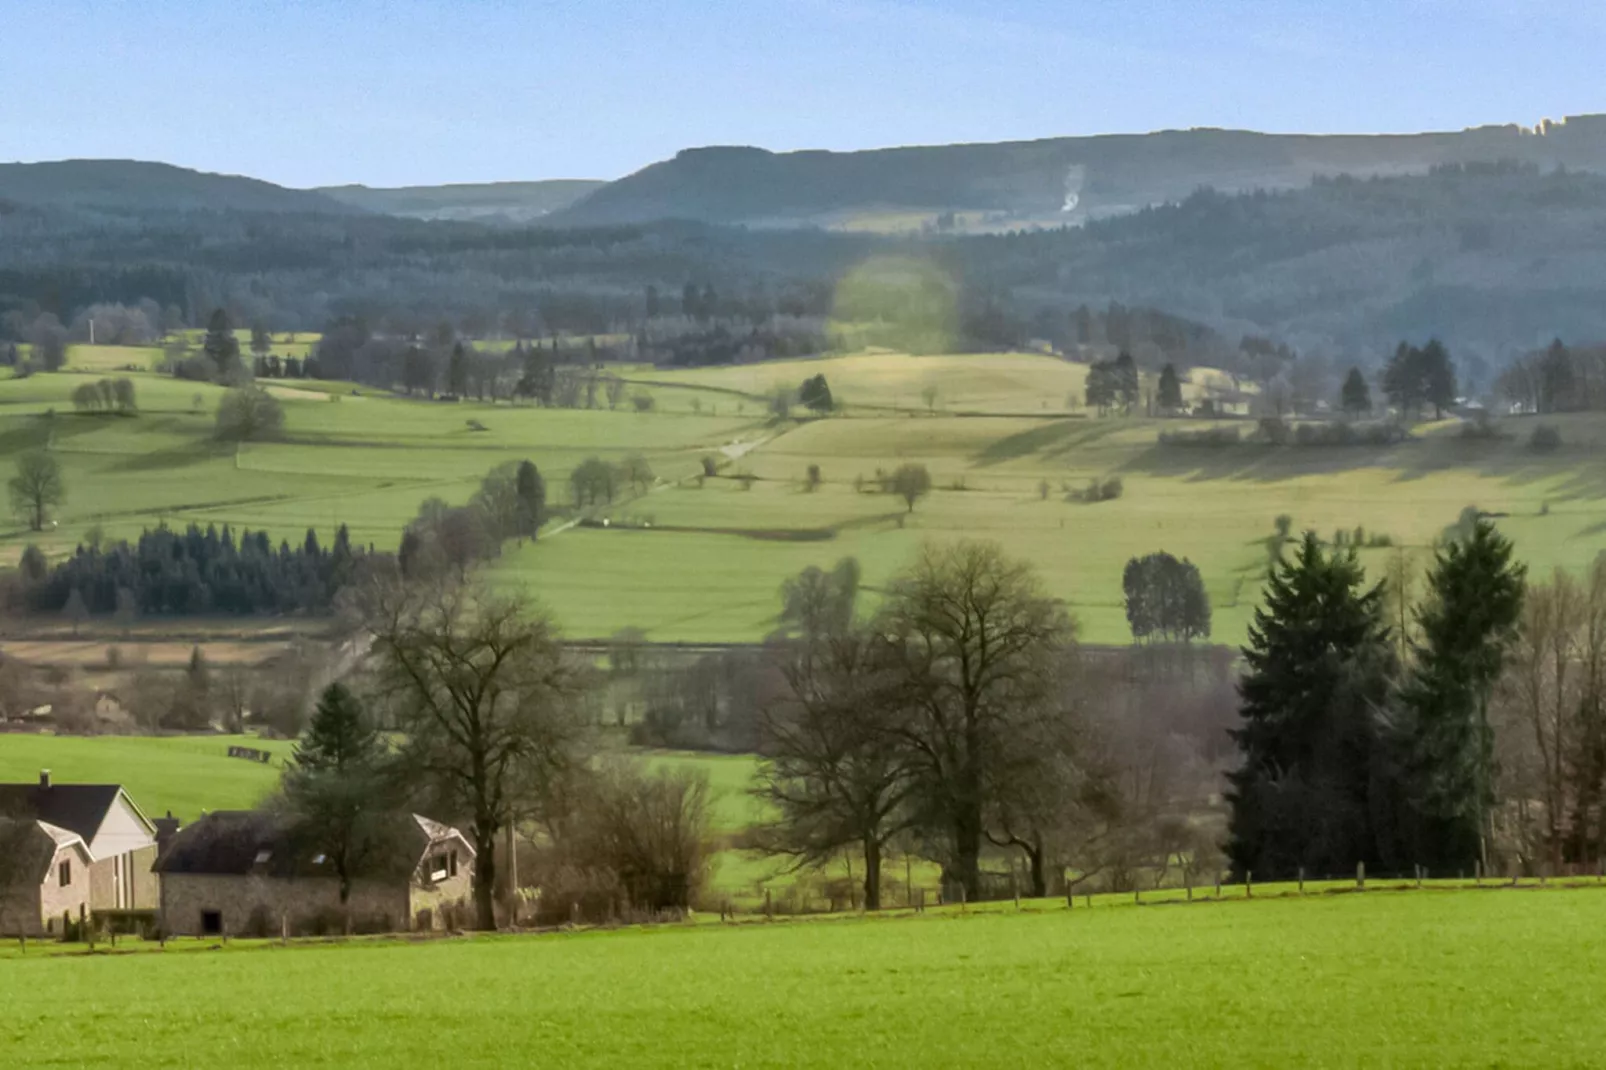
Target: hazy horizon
(423,93)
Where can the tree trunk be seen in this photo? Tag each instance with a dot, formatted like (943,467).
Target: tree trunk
(485,876)
(1034,855)
(967,854)
(872,874)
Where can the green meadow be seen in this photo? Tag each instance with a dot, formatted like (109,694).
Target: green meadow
(700,560)
(1413,979)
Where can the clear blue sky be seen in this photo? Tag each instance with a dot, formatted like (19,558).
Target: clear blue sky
(392,92)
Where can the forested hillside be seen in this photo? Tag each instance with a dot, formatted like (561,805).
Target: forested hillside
(1037,181)
(1496,259)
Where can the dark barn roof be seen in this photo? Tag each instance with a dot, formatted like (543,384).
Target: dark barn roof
(77,808)
(238,843)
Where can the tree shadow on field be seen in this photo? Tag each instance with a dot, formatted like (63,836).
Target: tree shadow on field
(1261,462)
(184,456)
(1053,439)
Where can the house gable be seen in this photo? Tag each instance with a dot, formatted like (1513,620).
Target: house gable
(122,829)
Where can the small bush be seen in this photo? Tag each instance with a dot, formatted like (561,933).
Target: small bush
(1107,491)
(643,402)
(1380,540)
(1283,525)
(710,465)
(1481,427)
(1273,429)
(1545,439)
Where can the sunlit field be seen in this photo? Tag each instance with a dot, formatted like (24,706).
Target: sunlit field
(702,559)
(1416,978)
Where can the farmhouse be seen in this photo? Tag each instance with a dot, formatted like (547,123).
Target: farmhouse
(44,877)
(119,839)
(247,872)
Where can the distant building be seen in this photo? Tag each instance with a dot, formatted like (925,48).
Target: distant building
(44,878)
(246,873)
(120,840)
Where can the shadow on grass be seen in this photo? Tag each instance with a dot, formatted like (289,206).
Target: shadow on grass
(1052,439)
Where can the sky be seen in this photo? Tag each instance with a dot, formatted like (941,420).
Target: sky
(401,92)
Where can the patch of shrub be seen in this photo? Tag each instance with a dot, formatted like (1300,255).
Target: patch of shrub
(1481,427)
(1545,439)
(1210,436)
(1347,434)
(1273,429)
(1106,491)
(710,465)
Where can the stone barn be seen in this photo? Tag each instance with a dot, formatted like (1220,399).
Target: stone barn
(248,873)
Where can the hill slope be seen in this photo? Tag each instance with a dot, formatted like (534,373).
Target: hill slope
(489,202)
(136,185)
(1059,179)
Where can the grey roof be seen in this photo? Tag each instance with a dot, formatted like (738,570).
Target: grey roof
(27,848)
(266,843)
(79,808)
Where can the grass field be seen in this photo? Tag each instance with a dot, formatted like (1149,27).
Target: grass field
(1390,979)
(1005,453)
(184,774)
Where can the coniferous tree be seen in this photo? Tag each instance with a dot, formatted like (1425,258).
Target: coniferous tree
(1356,396)
(1319,668)
(531,491)
(1170,393)
(1438,377)
(1446,758)
(337,789)
(220,345)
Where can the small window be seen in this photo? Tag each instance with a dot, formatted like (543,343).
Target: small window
(64,874)
(438,867)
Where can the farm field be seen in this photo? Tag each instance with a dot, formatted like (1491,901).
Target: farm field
(701,560)
(1428,978)
(184,774)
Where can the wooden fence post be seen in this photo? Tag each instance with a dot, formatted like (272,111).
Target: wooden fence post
(1360,876)
(964,900)
(1218,884)
(769,907)
(1477,873)
(1301,880)
(1249,884)
(1187,882)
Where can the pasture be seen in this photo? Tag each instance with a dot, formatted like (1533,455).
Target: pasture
(701,560)
(1420,978)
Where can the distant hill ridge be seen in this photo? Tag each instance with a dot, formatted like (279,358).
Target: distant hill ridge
(484,202)
(135,185)
(1073,178)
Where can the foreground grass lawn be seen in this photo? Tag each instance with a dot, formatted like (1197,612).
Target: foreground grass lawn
(1505,978)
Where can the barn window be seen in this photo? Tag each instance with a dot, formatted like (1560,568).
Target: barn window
(453,863)
(64,873)
(438,867)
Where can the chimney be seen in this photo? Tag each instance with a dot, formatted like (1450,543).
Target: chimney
(44,778)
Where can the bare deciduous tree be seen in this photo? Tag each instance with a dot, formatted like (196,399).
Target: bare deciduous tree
(836,766)
(484,695)
(978,639)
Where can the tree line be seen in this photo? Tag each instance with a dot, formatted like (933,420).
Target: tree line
(193,572)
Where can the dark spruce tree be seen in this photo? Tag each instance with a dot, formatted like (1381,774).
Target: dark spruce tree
(1356,397)
(337,789)
(220,345)
(531,491)
(1170,393)
(1319,670)
(1445,745)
